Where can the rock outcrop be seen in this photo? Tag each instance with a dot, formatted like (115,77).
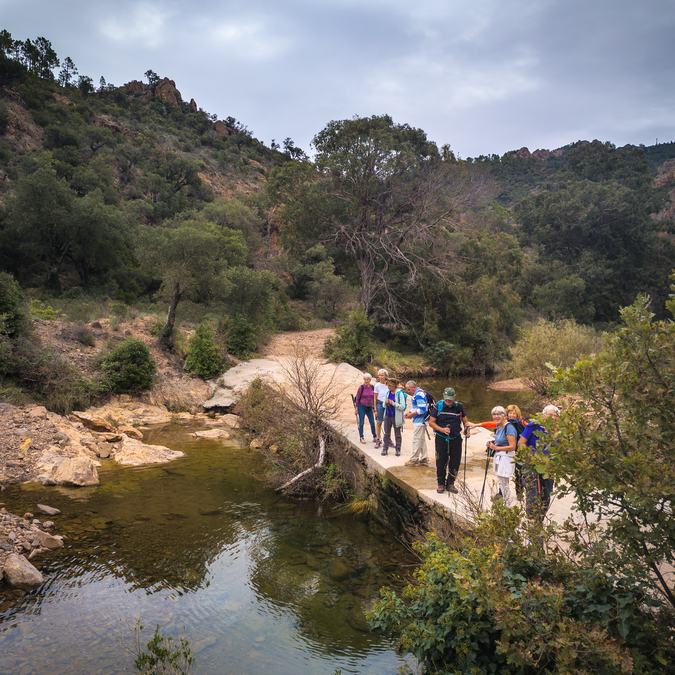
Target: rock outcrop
(57,469)
(132,452)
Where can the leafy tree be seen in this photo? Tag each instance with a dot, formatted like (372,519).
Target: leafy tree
(152,77)
(129,368)
(85,85)
(353,342)
(241,336)
(68,72)
(604,234)
(204,358)
(613,446)
(545,345)
(192,261)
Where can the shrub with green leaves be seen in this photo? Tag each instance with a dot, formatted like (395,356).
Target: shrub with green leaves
(550,343)
(129,368)
(448,358)
(12,307)
(353,342)
(204,357)
(241,337)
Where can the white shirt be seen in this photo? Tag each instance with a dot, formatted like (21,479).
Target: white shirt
(381,391)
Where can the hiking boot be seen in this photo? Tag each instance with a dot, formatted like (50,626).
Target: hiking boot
(378,442)
(412,462)
(424,462)
(363,440)
(398,453)
(384,452)
(453,489)
(440,489)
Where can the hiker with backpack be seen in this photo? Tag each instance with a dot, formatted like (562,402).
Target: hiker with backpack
(538,488)
(395,405)
(447,418)
(516,418)
(504,448)
(381,393)
(364,402)
(419,410)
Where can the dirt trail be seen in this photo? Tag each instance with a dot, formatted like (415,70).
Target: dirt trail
(311,341)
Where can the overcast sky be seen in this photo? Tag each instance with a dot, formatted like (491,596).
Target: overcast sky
(482,75)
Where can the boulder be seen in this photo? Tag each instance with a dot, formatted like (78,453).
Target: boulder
(222,399)
(20,573)
(165,90)
(132,452)
(222,129)
(56,469)
(193,105)
(109,437)
(232,421)
(133,432)
(255,444)
(92,422)
(212,433)
(49,510)
(46,540)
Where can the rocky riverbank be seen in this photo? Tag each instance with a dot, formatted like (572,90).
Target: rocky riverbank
(22,538)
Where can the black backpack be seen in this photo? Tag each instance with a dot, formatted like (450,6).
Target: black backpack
(430,401)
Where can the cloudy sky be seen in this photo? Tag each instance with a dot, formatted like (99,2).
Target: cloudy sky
(482,75)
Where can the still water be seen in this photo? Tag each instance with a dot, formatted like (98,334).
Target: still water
(203,548)
(477,399)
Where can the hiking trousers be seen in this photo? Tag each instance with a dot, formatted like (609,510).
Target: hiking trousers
(366,411)
(389,424)
(448,459)
(538,491)
(419,441)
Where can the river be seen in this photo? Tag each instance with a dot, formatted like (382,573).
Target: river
(204,549)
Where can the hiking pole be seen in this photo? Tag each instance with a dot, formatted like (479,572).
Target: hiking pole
(466,445)
(487,464)
(356,415)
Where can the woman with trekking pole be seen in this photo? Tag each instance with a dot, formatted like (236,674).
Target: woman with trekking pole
(364,402)
(504,448)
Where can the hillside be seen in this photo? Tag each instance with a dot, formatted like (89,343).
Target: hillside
(119,199)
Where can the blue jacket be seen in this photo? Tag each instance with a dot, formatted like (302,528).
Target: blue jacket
(419,406)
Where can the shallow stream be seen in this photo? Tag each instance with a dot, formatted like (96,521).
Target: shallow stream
(201,547)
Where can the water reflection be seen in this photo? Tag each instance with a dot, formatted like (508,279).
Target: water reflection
(256,582)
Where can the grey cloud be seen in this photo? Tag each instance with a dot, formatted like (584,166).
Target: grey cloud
(483,75)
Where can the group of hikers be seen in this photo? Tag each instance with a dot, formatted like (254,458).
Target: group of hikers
(387,403)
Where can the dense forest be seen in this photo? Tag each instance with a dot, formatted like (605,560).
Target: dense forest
(131,194)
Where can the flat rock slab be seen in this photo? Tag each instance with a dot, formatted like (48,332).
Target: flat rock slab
(132,452)
(49,510)
(212,433)
(18,572)
(46,540)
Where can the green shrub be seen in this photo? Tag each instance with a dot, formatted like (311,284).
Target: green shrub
(353,342)
(163,654)
(39,309)
(448,358)
(241,337)
(550,343)
(12,307)
(204,357)
(129,368)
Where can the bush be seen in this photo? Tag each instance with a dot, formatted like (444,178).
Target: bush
(84,336)
(547,343)
(129,368)
(13,315)
(41,310)
(241,337)
(204,357)
(499,605)
(448,358)
(353,342)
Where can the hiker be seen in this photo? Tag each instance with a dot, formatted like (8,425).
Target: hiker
(381,393)
(504,447)
(446,418)
(400,388)
(363,405)
(419,409)
(516,418)
(395,405)
(538,488)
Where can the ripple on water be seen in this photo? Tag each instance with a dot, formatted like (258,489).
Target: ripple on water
(257,583)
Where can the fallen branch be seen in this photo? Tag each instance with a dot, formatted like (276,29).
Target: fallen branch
(319,462)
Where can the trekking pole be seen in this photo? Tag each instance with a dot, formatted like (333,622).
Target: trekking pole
(466,445)
(482,492)
(356,414)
